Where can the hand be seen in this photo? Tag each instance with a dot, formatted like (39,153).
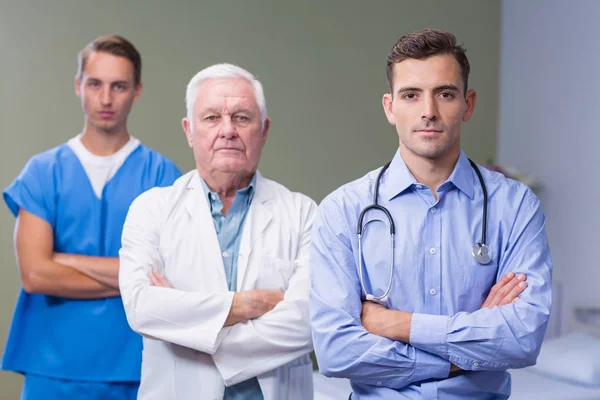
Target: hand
(158,280)
(251,304)
(506,290)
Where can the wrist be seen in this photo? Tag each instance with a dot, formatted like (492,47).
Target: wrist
(399,325)
(239,309)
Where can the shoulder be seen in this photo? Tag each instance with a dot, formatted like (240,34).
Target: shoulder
(281,194)
(351,195)
(159,199)
(51,157)
(506,190)
(154,158)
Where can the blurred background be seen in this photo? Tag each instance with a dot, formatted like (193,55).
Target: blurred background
(534,65)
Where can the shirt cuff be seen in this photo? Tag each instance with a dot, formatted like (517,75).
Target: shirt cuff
(428,333)
(430,366)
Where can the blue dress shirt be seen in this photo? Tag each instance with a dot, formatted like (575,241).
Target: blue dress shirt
(436,278)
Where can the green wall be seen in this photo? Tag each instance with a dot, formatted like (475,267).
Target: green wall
(322,64)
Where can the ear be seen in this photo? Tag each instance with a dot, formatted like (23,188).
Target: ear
(138,91)
(187,128)
(78,87)
(266,130)
(388,103)
(470,99)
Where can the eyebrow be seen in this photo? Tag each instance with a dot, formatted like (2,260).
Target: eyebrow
(92,79)
(440,88)
(212,110)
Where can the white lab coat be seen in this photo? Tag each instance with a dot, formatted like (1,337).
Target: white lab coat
(188,355)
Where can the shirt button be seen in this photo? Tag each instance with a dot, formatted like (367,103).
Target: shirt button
(433,210)
(432,292)
(432,250)
(213,196)
(225,254)
(476,364)
(378,383)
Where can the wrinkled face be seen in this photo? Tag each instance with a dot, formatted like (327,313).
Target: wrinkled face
(107,91)
(428,105)
(226,132)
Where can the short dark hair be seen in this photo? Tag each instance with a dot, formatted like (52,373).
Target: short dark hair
(115,45)
(426,43)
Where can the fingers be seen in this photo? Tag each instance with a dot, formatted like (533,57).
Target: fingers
(506,290)
(499,285)
(158,280)
(515,292)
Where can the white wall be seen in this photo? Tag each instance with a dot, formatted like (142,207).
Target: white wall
(549,126)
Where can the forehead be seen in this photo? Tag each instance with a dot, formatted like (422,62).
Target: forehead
(226,92)
(108,67)
(427,73)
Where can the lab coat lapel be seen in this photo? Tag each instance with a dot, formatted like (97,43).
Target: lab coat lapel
(259,216)
(202,230)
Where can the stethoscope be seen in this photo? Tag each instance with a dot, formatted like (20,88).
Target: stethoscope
(480,250)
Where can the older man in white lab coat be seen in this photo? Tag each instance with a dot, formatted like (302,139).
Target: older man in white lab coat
(214,269)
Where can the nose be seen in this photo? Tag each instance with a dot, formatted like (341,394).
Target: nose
(430,111)
(106,96)
(228,130)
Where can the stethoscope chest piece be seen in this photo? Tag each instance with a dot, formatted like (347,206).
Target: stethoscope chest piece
(482,253)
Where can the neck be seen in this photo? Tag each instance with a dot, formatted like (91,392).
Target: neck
(102,143)
(225,184)
(431,172)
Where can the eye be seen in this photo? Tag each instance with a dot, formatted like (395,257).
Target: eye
(93,84)
(211,118)
(242,118)
(120,87)
(447,95)
(409,96)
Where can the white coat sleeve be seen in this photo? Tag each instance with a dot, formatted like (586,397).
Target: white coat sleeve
(190,319)
(279,336)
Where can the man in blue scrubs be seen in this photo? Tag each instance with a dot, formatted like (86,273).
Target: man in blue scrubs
(69,335)
(453,320)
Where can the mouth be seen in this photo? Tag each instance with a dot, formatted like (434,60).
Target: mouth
(106,114)
(428,133)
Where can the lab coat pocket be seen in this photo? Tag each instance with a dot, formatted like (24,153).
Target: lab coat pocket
(275,273)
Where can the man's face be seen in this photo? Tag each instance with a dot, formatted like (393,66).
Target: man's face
(107,91)
(226,133)
(428,105)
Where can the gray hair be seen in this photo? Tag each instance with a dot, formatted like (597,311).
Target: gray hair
(224,71)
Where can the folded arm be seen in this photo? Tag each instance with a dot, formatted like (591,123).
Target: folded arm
(344,347)
(280,335)
(189,319)
(102,269)
(500,337)
(41,273)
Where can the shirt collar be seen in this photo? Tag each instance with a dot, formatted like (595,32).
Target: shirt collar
(213,197)
(400,178)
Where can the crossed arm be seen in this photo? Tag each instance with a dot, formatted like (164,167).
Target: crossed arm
(247,333)
(395,348)
(57,274)
(395,325)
